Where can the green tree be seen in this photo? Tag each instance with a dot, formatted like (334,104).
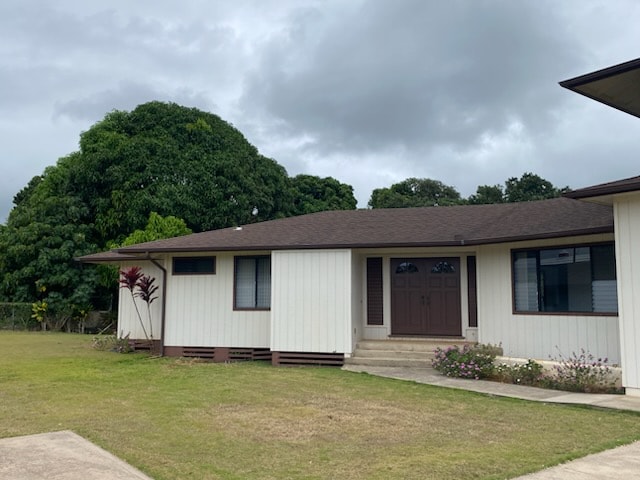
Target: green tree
(487,194)
(415,192)
(38,246)
(530,187)
(524,189)
(314,194)
(175,161)
(158,228)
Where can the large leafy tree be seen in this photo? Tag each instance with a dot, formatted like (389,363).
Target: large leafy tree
(45,231)
(315,194)
(161,157)
(174,161)
(527,188)
(415,192)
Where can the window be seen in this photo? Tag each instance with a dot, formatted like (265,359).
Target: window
(194,265)
(406,267)
(252,283)
(568,279)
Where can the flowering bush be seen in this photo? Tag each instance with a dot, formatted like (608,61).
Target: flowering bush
(581,373)
(528,373)
(469,362)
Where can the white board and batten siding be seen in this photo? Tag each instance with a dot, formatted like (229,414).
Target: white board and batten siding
(358,296)
(537,336)
(627,225)
(128,321)
(200,310)
(311,301)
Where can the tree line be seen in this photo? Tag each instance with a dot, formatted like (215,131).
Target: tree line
(164,170)
(425,192)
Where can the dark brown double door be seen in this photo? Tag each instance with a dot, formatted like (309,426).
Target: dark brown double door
(425,296)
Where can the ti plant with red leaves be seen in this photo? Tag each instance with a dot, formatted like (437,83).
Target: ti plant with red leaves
(146,290)
(132,278)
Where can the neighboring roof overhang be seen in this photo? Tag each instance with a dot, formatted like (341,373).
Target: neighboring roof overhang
(606,189)
(616,86)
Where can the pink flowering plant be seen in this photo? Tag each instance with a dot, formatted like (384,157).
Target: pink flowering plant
(581,372)
(474,362)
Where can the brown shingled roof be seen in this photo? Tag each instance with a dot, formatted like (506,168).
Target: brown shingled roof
(621,186)
(401,227)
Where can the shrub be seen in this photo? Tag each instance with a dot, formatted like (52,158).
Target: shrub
(581,373)
(112,343)
(469,362)
(529,373)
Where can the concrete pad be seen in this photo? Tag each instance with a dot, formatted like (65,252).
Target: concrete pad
(61,456)
(621,462)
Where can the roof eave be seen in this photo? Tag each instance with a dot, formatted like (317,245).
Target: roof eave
(600,191)
(614,101)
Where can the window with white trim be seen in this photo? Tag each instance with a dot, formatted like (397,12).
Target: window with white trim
(252,283)
(576,279)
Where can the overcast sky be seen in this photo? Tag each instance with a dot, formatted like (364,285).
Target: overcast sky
(367,91)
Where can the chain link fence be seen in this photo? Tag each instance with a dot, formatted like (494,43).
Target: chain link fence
(17,316)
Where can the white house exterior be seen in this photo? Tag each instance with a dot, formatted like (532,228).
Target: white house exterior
(541,279)
(307,289)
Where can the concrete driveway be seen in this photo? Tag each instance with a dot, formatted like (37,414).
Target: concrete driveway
(60,456)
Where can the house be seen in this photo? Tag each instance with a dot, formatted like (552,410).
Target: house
(538,278)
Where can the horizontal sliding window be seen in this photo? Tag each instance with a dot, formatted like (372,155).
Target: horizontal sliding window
(568,279)
(194,265)
(252,288)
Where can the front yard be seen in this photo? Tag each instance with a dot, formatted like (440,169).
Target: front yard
(177,419)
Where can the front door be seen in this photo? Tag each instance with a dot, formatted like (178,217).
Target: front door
(425,296)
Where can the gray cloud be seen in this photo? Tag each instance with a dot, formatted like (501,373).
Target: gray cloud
(367,91)
(126,96)
(413,73)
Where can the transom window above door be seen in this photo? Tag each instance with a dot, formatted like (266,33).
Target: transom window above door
(443,267)
(407,267)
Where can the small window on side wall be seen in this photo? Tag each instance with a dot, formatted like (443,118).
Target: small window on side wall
(252,283)
(194,265)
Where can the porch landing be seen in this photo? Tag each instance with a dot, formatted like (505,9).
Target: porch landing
(401,351)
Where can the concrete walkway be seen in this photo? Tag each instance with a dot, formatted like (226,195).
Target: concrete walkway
(618,463)
(431,377)
(60,456)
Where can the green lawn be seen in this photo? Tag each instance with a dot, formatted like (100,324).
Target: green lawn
(179,419)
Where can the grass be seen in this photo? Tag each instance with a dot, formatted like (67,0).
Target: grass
(179,419)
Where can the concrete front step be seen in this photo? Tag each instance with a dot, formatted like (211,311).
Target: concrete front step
(426,345)
(375,353)
(400,352)
(389,362)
